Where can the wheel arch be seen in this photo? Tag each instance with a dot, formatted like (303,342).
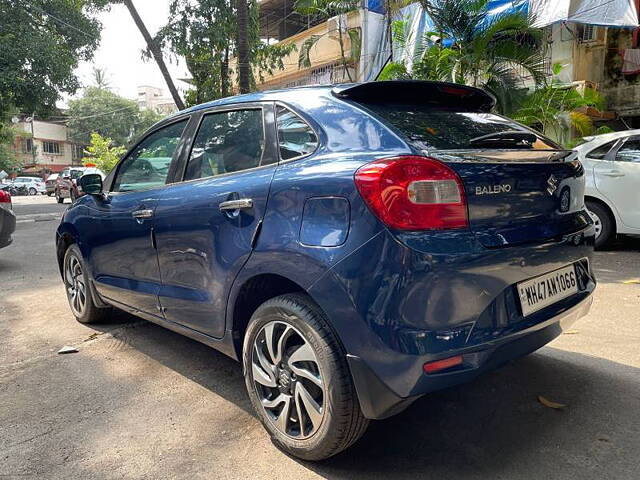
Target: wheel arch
(604,204)
(249,295)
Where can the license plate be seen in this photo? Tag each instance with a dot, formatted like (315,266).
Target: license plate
(546,289)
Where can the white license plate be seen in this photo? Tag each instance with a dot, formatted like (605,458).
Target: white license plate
(546,289)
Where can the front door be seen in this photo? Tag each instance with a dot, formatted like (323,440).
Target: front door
(618,179)
(205,225)
(123,257)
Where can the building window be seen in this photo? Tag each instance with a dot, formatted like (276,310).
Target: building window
(27,145)
(52,148)
(77,151)
(588,33)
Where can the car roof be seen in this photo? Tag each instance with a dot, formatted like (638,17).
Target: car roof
(416,90)
(594,140)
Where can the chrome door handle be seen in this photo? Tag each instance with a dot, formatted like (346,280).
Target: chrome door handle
(240,204)
(146,213)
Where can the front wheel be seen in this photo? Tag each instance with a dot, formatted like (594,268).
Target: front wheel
(602,222)
(33,191)
(298,379)
(59,199)
(76,282)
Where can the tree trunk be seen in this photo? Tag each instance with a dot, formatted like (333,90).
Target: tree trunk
(156,52)
(244,71)
(224,73)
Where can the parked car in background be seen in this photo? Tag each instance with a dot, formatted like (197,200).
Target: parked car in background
(612,194)
(51,182)
(356,247)
(34,185)
(7,219)
(67,184)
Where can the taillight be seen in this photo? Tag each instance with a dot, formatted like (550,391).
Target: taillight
(5,200)
(413,193)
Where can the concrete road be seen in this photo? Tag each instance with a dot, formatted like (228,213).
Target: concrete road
(138,401)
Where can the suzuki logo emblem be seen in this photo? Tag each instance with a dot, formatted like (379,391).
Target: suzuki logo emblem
(552,183)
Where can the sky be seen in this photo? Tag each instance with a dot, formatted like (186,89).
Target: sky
(120,50)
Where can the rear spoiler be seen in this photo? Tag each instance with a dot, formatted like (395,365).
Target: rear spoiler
(418,92)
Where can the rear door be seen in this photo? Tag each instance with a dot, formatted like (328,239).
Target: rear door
(519,186)
(618,179)
(205,225)
(119,228)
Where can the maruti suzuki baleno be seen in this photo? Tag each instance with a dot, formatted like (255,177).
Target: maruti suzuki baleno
(355,246)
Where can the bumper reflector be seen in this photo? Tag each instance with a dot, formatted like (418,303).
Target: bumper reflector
(433,367)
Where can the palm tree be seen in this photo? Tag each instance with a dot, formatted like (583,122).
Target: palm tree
(494,53)
(244,69)
(155,50)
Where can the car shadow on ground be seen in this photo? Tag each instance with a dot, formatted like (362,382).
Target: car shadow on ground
(492,427)
(619,261)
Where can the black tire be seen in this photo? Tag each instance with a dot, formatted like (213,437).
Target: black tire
(59,199)
(342,422)
(601,215)
(33,191)
(90,313)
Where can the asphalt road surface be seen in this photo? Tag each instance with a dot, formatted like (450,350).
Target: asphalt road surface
(138,401)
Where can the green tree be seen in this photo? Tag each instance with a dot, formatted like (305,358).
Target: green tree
(494,53)
(41,42)
(104,112)
(205,33)
(327,9)
(102,153)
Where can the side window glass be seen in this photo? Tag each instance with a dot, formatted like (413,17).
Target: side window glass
(601,152)
(147,166)
(629,151)
(226,142)
(295,137)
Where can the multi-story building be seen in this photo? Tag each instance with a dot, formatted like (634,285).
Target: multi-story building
(45,146)
(154,98)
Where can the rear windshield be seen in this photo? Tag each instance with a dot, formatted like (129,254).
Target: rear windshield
(428,128)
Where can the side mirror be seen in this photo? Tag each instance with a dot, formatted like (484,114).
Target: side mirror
(91,184)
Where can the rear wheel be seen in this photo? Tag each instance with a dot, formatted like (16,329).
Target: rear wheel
(33,191)
(602,222)
(298,379)
(76,282)
(59,199)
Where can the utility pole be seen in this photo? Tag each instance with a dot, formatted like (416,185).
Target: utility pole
(33,138)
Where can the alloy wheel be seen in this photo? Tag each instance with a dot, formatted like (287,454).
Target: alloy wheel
(288,380)
(76,287)
(597,223)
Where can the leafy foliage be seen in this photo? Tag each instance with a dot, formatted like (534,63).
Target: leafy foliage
(494,53)
(102,153)
(108,114)
(205,34)
(555,110)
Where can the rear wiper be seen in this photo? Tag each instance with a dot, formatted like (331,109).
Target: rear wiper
(508,137)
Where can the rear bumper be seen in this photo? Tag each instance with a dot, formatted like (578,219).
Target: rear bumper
(378,401)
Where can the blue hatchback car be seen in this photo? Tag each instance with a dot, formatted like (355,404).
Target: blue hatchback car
(355,246)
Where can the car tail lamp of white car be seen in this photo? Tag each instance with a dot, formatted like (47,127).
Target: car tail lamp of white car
(5,200)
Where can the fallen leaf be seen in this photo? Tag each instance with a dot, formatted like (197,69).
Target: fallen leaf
(549,403)
(67,349)
(570,332)
(93,336)
(633,280)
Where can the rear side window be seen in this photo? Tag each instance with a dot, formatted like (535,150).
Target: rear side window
(295,137)
(601,152)
(227,142)
(430,128)
(629,151)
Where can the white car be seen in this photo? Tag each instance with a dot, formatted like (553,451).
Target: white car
(612,194)
(34,185)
